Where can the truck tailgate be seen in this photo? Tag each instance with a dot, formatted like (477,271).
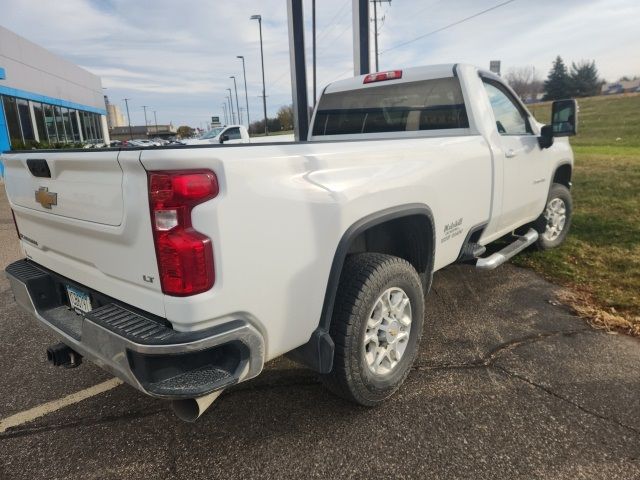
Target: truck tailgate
(88,220)
(89,184)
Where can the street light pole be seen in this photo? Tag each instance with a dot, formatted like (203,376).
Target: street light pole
(233,113)
(235,86)
(264,88)
(144,107)
(126,102)
(246,95)
(155,119)
(226,118)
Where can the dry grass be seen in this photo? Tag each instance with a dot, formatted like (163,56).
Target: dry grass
(583,305)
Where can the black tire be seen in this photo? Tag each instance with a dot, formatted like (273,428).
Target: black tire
(365,277)
(557,191)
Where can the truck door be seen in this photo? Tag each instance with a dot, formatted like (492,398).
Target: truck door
(525,170)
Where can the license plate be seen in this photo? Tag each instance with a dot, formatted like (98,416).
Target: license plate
(79,300)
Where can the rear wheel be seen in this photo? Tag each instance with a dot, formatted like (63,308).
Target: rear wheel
(553,225)
(376,326)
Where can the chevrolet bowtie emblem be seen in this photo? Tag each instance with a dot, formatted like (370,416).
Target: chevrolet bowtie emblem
(46,198)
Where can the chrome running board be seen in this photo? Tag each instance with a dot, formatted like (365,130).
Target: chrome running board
(498,258)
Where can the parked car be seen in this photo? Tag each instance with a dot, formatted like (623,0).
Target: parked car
(183,270)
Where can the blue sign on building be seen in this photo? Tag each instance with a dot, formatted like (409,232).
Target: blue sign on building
(3,75)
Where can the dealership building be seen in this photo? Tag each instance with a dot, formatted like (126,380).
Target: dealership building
(46,100)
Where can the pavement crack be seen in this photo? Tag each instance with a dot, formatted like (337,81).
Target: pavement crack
(562,398)
(488,360)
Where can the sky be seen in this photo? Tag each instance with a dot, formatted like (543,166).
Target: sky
(177,56)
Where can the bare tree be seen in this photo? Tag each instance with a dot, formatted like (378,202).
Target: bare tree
(524,82)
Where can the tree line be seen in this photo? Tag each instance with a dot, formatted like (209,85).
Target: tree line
(282,121)
(580,80)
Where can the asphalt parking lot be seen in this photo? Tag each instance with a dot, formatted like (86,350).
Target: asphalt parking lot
(509,384)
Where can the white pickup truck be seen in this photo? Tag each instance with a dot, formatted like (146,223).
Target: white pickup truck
(182,270)
(230,135)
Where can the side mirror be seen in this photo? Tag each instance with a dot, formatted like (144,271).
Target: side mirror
(545,140)
(224,138)
(564,118)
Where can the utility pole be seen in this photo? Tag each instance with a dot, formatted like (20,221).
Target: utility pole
(264,88)
(313,36)
(233,113)
(246,95)
(235,86)
(155,119)
(375,28)
(126,102)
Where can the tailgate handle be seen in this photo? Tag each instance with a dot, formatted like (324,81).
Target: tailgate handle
(39,168)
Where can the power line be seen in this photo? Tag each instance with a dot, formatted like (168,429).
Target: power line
(331,23)
(346,29)
(433,32)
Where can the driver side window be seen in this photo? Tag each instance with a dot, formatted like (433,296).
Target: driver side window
(510,120)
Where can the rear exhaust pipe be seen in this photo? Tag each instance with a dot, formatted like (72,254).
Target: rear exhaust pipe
(190,409)
(61,355)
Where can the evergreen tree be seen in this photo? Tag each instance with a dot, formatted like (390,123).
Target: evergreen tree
(584,78)
(558,83)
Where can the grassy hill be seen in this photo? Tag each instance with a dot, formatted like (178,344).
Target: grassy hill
(601,258)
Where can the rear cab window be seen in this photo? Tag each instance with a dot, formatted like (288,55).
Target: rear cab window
(425,105)
(233,133)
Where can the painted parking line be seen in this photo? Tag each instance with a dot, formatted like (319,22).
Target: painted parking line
(50,407)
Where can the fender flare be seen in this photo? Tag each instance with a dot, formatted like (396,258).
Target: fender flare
(561,164)
(317,353)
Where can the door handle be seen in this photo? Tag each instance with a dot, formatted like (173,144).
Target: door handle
(510,153)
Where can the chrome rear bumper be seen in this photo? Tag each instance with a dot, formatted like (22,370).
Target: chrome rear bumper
(137,347)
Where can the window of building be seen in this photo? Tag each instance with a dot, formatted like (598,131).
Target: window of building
(13,120)
(38,112)
(59,124)
(73,119)
(435,104)
(97,126)
(50,122)
(83,126)
(67,123)
(25,121)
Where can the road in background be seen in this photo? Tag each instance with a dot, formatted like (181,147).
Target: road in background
(508,385)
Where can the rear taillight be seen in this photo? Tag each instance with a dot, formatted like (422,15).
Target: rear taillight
(15,224)
(382,76)
(185,256)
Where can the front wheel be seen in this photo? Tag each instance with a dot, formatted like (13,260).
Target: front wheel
(376,326)
(553,225)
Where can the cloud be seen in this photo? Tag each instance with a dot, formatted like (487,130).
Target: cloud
(178,56)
